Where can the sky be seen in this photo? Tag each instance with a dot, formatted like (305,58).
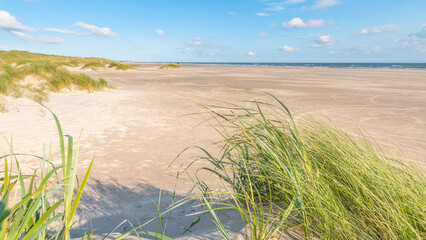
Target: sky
(219,30)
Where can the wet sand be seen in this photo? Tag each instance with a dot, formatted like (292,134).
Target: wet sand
(136,130)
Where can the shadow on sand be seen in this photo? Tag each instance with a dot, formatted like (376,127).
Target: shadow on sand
(106,204)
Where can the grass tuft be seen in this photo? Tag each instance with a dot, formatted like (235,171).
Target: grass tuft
(318,178)
(170,66)
(121,66)
(94,65)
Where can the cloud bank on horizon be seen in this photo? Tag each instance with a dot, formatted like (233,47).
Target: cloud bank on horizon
(259,30)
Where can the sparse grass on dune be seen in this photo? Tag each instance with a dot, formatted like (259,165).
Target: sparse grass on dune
(170,66)
(22,57)
(94,65)
(121,66)
(50,77)
(318,178)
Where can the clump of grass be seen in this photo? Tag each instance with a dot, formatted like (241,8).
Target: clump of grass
(170,66)
(121,66)
(318,178)
(46,206)
(94,65)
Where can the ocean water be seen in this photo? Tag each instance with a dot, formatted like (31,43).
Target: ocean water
(414,66)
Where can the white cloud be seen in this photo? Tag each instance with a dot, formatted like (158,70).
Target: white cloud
(196,42)
(159,32)
(323,41)
(262,14)
(272,25)
(422,33)
(275,8)
(299,23)
(101,31)
(65,31)
(288,48)
(294,1)
(251,53)
(9,22)
(324,4)
(232,13)
(416,41)
(376,49)
(42,38)
(204,47)
(377,29)
(263,34)
(333,52)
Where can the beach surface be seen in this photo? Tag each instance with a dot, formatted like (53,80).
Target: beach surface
(136,130)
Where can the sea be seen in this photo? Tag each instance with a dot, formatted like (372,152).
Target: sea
(412,66)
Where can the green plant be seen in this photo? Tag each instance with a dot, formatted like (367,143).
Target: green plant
(121,66)
(49,77)
(39,205)
(317,178)
(170,66)
(94,65)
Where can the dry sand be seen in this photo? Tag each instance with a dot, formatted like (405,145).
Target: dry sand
(136,130)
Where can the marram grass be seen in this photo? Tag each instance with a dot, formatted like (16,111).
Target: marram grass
(47,76)
(316,178)
(46,206)
(170,66)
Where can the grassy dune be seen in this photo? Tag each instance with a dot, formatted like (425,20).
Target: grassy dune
(22,57)
(34,75)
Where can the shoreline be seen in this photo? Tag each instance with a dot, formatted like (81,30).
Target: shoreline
(422,66)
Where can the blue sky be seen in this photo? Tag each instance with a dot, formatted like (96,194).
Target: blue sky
(219,30)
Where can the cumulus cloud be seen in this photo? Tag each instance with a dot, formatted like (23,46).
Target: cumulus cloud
(251,53)
(288,48)
(195,42)
(376,49)
(42,38)
(263,34)
(65,31)
(416,41)
(299,23)
(101,31)
(323,41)
(274,8)
(324,4)
(9,22)
(262,14)
(203,47)
(159,32)
(422,33)
(377,29)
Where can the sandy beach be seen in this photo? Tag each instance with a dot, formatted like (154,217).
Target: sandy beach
(137,129)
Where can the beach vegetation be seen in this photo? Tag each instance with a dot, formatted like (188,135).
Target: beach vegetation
(170,66)
(314,179)
(121,66)
(37,78)
(46,205)
(94,65)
